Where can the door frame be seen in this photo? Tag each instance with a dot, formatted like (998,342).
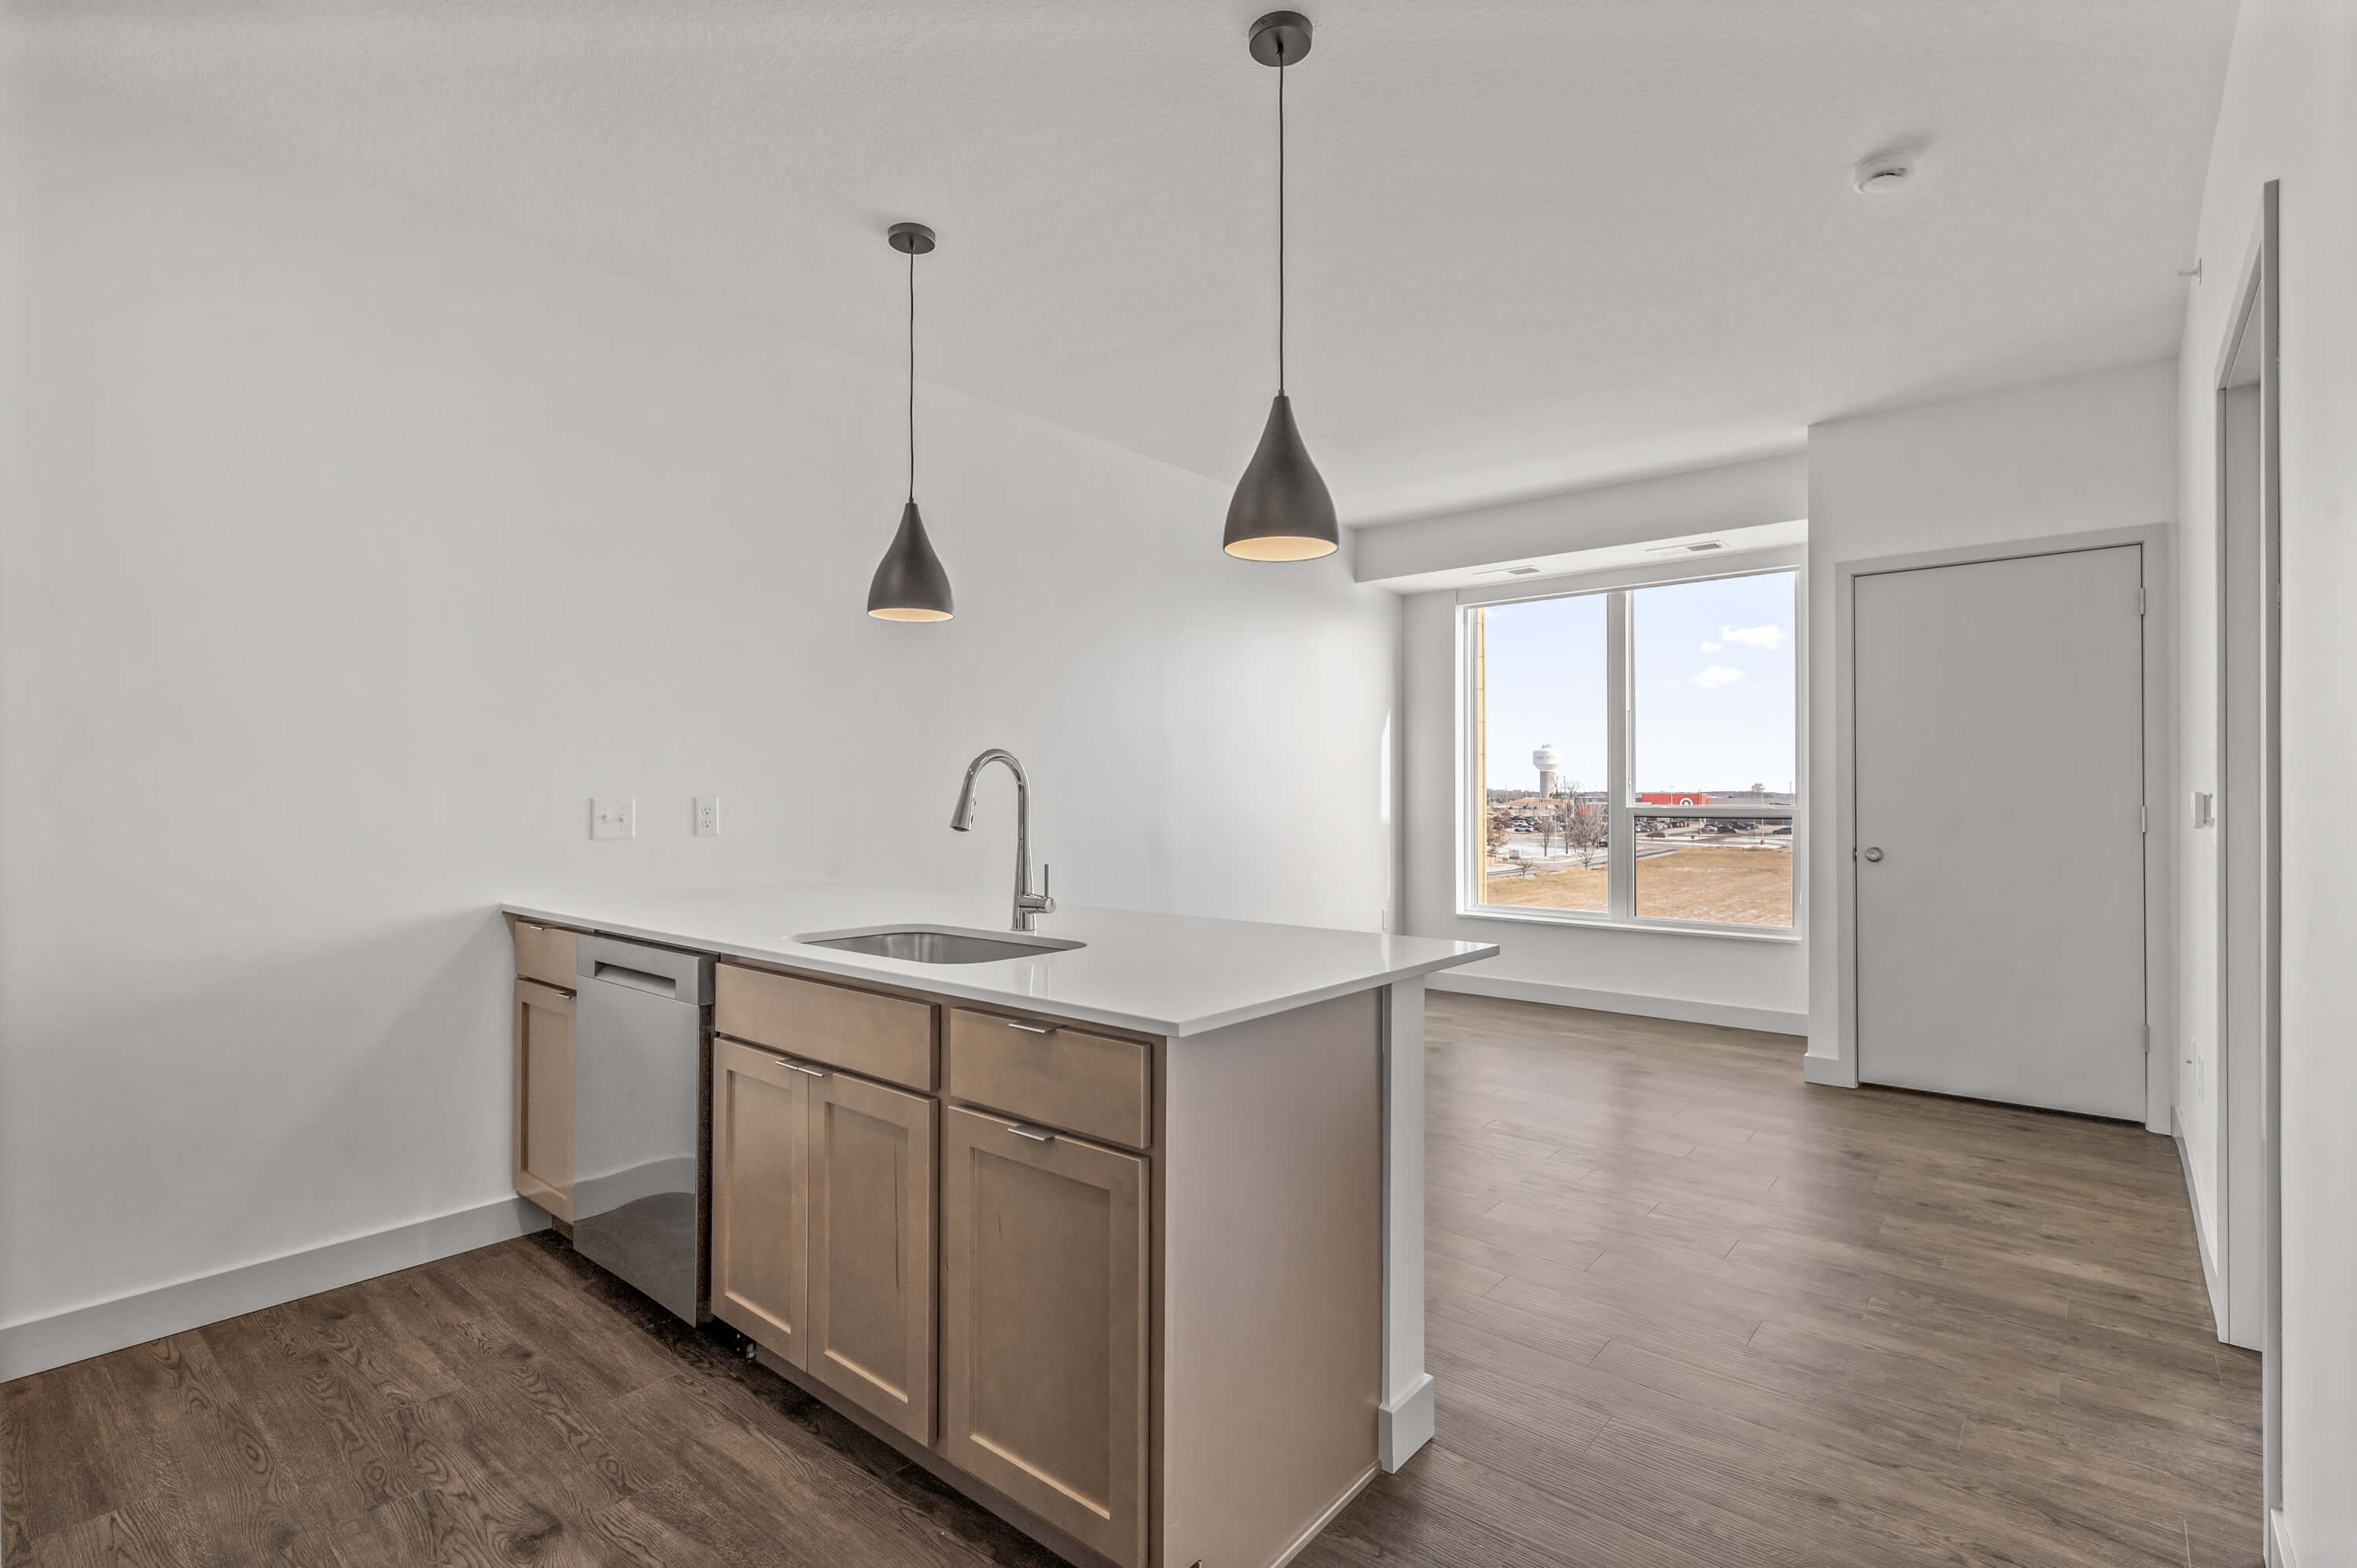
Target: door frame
(2256,308)
(2159,764)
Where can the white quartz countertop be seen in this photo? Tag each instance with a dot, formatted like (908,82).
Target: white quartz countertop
(1158,974)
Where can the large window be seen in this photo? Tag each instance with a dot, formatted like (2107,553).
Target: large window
(1633,753)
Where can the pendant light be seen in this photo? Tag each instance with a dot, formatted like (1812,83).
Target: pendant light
(909,584)
(1281,510)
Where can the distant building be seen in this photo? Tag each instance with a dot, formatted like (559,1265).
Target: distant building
(1676,798)
(1754,797)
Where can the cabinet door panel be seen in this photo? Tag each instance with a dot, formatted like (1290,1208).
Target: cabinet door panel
(871,1248)
(761,1188)
(1044,1327)
(544,1097)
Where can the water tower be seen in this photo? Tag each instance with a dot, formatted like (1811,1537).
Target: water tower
(1549,762)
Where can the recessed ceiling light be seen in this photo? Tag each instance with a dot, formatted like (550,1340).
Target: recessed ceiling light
(1509,571)
(1885,173)
(1691,548)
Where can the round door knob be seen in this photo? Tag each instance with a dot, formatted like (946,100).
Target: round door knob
(1873,854)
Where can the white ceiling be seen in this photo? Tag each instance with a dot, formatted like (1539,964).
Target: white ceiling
(1535,242)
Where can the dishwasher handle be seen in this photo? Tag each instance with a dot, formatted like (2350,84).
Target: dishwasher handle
(662,986)
(666,972)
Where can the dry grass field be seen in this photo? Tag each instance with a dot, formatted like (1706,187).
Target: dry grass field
(1709,882)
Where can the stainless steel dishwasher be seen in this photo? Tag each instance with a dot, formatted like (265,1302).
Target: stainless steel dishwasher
(640,1204)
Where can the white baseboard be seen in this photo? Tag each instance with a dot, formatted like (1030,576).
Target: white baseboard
(2279,1542)
(1831,1071)
(1676,1009)
(80,1332)
(2212,1279)
(1404,1426)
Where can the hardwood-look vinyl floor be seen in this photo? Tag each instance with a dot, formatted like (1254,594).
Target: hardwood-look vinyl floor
(1685,1311)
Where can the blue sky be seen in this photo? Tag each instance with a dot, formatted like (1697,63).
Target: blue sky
(1713,685)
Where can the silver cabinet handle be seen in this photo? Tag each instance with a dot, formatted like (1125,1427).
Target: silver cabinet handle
(1872,853)
(1036,1134)
(803,1068)
(1032,1028)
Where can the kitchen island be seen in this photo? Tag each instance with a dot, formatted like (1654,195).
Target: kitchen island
(1121,1235)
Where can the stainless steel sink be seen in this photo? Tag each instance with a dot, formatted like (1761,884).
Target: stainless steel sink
(942,944)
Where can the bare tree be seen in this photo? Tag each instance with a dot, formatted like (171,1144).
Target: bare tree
(1587,830)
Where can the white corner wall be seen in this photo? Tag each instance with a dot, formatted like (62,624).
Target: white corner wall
(349,548)
(2290,115)
(2057,458)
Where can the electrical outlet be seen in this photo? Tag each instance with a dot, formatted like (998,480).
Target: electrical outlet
(707,816)
(613,818)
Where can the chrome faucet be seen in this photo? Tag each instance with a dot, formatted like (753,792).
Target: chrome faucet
(1028,905)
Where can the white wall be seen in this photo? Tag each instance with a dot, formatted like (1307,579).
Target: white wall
(2057,458)
(2290,113)
(353,547)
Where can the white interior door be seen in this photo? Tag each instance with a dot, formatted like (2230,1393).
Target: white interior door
(1999,794)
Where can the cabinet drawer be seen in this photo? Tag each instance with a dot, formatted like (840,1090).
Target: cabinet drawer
(1062,1076)
(544,953)
(888,1038)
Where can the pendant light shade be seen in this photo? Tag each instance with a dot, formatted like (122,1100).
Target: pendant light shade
(1281,510)
(909,582)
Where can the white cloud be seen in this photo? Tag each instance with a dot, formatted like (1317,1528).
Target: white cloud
(1717,675)
(1713,647)
(1756,636)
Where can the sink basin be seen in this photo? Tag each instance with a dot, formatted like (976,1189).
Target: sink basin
(942,944)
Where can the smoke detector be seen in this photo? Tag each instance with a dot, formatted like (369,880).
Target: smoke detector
(1885,173)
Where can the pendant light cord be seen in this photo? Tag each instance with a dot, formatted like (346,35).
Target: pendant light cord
(912,375)
(1280,217)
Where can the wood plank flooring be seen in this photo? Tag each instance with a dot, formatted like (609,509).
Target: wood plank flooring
(1684,1310)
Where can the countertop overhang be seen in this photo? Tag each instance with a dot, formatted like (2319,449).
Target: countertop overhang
(1155,975)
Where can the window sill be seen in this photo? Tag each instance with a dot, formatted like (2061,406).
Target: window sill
(1787,935)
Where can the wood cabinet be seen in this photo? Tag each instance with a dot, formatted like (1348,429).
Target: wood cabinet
(870,1152)
(1044,1302)
(1127,1293)
(761,1197)
(544,1097)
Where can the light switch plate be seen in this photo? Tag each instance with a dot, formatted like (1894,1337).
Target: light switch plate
(2204,808)
(613,818)
(707,816)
